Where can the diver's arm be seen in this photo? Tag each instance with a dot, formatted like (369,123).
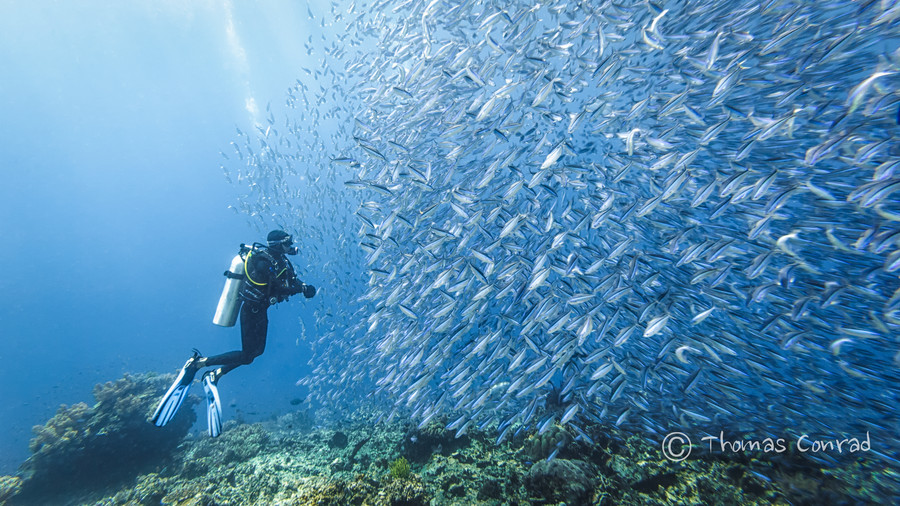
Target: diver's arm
(286,283)
(298,286)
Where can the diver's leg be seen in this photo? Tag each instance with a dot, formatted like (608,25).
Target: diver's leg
(254,342)
(254,325)
(230,358)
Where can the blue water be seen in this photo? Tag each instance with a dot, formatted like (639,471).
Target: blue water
(115,122)
(113,209)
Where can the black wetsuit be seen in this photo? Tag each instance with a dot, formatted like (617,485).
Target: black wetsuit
(271,280)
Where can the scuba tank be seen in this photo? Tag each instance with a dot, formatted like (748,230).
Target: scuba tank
(230,300)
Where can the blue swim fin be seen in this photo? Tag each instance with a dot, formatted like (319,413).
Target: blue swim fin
(213,404)
(177,393)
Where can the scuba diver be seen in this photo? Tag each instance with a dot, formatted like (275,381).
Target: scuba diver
(259,277)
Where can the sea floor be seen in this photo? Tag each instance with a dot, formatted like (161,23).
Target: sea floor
(291,460)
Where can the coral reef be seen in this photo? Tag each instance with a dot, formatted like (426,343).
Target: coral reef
(400,469)
(97,446)
(362,461)
(540,446)
(421,444)
(561,480)
(9,487)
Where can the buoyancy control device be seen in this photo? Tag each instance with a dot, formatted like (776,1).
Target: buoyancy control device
(230,300)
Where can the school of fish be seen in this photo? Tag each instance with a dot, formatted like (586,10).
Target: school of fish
(675,216)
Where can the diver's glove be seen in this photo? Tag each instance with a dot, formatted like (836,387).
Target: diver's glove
(309,291)
(295,286)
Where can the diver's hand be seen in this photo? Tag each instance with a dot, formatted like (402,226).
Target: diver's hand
(295,286)
(309,291)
